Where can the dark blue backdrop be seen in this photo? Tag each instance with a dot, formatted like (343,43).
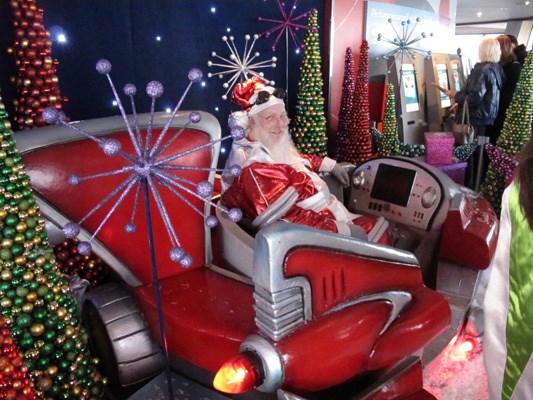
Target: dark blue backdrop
(125,31)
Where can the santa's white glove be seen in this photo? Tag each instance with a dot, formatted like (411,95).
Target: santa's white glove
(357,232)
(341,174)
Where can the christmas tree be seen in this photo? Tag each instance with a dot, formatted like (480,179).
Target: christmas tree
(348,89)
(36,81)
(390,144)
(359,147)
(516,132)
(35,300)
(309,129)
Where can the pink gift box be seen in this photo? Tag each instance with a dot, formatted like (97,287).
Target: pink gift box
(439,147)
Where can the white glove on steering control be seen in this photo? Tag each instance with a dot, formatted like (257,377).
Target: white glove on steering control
(341,174)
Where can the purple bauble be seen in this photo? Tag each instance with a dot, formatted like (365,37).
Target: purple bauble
(154,89)
(130,228)
(71,230)
(111,147)
(195,117)
(130,89)
(50,115)
(235,170)
(177,253)
(235,214)
(211,221)
(195,75)
(186,261)
(74,180)
(237,132)
(103,66)
(204,189)
(84,248)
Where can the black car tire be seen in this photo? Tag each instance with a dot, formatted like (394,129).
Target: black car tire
(119,336)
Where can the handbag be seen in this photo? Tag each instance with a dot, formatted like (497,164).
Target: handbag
(463,131)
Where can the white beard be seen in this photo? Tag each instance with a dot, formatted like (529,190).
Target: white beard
(283,151)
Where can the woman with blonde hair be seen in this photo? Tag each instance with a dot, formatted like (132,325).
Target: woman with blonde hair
(511,70)
(481,94)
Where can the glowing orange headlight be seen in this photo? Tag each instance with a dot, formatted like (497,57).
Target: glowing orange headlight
(238,375)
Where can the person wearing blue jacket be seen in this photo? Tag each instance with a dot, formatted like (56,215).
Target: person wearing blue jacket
(481,92)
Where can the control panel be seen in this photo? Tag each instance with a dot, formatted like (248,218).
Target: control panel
(398,189)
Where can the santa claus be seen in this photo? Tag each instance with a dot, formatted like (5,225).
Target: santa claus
(271,164)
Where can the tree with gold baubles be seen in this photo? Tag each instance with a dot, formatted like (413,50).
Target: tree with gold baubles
(309,128)
(35,301)
(359,139)
(390,143)
(515,133)
(348,89)
(36,81)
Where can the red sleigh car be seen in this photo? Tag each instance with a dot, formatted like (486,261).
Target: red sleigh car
(272,309)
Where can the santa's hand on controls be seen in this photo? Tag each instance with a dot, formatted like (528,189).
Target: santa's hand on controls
(271,164)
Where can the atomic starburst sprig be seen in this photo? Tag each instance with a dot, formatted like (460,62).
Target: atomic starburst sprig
(239,66)
(404,42)
(148,167)
(287,24)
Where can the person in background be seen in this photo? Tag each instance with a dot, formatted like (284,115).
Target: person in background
(508,303)
(511,69)
(519,49)
(271,164)
(481,92)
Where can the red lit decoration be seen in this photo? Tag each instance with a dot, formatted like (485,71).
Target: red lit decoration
(237,375)
(36,80)
(70,262)
(348,89)
(359,140)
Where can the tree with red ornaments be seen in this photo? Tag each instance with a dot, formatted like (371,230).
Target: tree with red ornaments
(345,112)
(359,140)
(36,81)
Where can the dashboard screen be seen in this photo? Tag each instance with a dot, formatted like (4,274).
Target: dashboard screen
(393,184)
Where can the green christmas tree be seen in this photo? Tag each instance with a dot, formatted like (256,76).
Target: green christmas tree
(516,132)
(390,143)
(35,299)
(309,129)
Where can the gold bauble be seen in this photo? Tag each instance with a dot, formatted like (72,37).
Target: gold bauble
(37,329)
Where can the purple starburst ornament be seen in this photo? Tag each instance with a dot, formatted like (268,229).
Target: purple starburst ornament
(149,169)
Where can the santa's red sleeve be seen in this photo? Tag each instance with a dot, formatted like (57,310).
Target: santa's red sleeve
(260,184)
(316,162)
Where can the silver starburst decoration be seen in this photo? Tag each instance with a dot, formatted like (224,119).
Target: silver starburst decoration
(147,166)
(404,41)
(239,66)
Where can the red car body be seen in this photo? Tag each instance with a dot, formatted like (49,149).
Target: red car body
(332,309)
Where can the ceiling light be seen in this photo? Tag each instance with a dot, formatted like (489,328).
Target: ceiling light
(479,14)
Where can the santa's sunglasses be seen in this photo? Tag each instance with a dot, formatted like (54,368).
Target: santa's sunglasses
(263,95)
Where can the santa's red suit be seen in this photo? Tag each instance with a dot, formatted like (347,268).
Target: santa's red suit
(263,181)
